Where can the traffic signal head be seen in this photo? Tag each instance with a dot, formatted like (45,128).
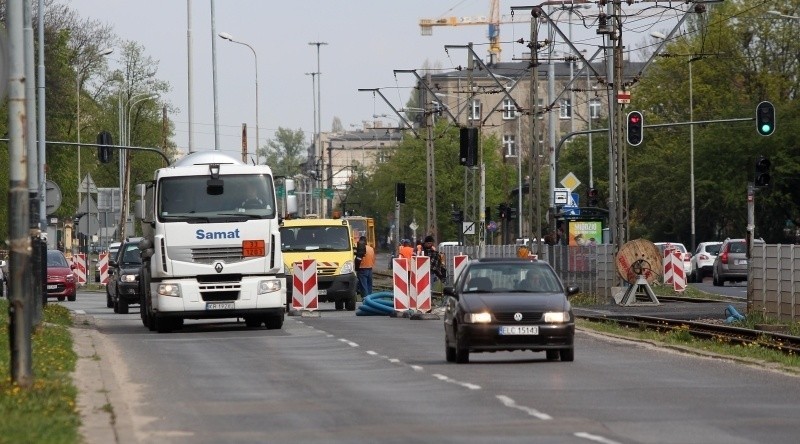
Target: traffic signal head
(594,197)
(400,192)
(502,211)
(765,118)
(635,128)
(762,171)
(104,153)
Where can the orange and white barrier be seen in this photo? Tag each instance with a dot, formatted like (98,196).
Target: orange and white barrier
(102,263)
(402,285)
(673,269)
(79,260)
(305,291)
(459,264)
(422,283)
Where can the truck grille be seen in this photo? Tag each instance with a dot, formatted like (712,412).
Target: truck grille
(207,255)
(222,291)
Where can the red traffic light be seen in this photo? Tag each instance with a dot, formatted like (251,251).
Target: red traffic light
(635,129)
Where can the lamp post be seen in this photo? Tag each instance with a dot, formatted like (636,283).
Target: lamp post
(228,37)
(318,144)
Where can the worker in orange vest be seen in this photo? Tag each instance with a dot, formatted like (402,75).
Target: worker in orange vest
(364,270)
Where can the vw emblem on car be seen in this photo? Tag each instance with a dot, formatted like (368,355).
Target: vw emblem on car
(218,267)
(517,317)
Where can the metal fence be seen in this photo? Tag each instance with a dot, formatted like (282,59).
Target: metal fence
(774,281)
(592,268)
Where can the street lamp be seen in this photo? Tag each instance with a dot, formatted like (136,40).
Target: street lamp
(659,35)
(78,81)
(319,124)
(228,37)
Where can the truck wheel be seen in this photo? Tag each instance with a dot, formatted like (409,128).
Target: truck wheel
(109,302)
(252,321)
(274,322)
(338,304)
(350,305)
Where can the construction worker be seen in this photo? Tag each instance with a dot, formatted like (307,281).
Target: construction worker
(364,271)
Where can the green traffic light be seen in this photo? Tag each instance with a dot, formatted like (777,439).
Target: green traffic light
(765,129)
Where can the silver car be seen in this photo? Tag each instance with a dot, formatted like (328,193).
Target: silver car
(731,263)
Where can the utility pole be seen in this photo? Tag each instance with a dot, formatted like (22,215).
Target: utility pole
(430,162)
(619,129)
(535,166)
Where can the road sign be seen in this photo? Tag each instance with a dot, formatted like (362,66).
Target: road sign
(570,181)
(571,211)
(89,225)
(413,225)
(468,227)
(87,183)
(561,196)
(87,205)
(623,97)
(52,196)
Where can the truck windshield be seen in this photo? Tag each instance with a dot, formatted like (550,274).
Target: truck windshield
(187,199)
(315,238)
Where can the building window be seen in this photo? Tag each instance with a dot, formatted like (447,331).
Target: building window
(509,145)
(594,109)
(475,110)
(509,110)
(565,109)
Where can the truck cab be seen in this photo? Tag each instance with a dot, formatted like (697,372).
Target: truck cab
(330,243)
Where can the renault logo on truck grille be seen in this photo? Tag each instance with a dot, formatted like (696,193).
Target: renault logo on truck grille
(218,267)
(517,317)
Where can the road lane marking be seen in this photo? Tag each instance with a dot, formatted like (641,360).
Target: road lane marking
(508,402)
(446,378)
(595,438)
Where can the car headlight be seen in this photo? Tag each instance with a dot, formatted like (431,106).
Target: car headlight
(556,317)
(169,290)
(477,318)
(128,278)
(69,278)
(348,267)
(269,285)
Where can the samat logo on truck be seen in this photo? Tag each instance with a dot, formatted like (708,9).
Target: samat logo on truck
(330,243)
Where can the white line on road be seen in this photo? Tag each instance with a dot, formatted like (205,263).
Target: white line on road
(595,438)
(508,402)
(445,378)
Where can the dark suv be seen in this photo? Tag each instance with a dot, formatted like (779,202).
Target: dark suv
(124,274)
(731,262)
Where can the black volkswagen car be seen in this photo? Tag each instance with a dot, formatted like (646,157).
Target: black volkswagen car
(505,305)
(123,281)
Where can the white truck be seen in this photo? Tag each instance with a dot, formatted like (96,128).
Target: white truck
(211,246)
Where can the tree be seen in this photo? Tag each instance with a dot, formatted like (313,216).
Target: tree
(286,153)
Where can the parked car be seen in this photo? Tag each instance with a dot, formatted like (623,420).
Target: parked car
(490,309)
(61,279)
(702,261)
(731,263)
(125,271)
(687,257)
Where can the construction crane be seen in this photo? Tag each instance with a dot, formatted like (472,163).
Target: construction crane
(494,21)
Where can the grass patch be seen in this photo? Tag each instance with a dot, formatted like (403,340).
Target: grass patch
(682,337)
(46,412)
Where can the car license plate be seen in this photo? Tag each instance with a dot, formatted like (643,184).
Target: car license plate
(52,286)
(519,330)
(322,292)
(741,261)
(219,306)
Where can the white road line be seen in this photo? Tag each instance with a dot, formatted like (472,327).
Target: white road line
(348,342)
(417,368)
(445,378)
(595,438)
(508,402)
(80,312)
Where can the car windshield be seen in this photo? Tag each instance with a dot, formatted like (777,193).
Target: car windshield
(56,259)
(188,199)
(713,248)
(131,255)
(336,238)
(525,277)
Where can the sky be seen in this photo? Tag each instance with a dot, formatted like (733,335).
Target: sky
(366,40)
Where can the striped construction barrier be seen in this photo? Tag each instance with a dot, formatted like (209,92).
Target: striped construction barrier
(422,284)
(305,291)
(102,264)
(401,285)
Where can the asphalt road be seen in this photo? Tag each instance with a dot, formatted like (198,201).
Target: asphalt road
(341,378)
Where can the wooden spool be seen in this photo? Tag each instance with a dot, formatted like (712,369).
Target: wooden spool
(639,253)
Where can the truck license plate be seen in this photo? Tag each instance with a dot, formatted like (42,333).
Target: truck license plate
(519,330)
(219,306)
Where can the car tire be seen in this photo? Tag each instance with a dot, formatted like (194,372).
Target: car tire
(462,353)
(691,278)
(552,355)
(567,354)
(449,352)
(60,299)
(122,306)
(273,322)
(252,321)
(715,280)
(72,297)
